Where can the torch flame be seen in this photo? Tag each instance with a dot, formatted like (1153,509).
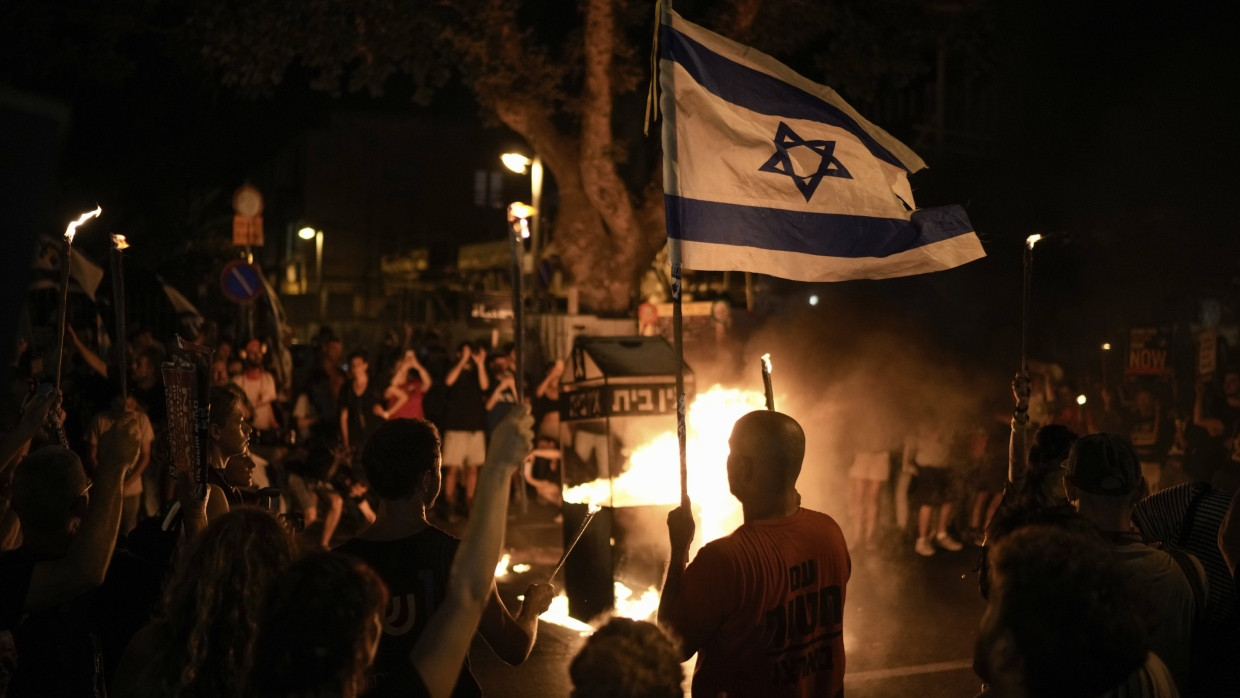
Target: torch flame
(120,242)
(1032,240)
(501,568)
(72,229)
(594,508)
(766,362)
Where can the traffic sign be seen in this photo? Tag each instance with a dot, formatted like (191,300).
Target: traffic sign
(241,282)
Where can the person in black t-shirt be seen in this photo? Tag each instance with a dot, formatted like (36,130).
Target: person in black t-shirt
(361,405)
(69,526)
(402,462)
(465,423)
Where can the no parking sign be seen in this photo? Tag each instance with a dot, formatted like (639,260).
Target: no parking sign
(241,282)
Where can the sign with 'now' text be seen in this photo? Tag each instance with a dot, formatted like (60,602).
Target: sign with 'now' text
(1148,351)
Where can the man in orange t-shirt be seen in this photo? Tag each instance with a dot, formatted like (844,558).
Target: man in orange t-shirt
(762,607)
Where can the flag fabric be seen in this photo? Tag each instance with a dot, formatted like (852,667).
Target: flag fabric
(766,171)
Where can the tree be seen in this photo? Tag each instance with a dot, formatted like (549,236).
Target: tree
(555,73)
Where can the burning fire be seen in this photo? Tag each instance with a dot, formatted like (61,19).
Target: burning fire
(501,568)
(72,229)
(646,481)
(650,479)
(1033,240)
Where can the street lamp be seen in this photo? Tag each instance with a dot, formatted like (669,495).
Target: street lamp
(521,164)
(309,233)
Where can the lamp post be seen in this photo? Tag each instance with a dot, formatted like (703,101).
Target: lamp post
(519,216)
(316,235)
(521,164)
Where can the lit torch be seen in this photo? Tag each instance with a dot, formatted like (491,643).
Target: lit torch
(1024,315)
(767,388)
(66,263)
(119,243)
(590,512)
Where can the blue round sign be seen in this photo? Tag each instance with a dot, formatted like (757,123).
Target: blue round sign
(241,282)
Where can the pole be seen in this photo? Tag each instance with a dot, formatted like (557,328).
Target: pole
(118,303)
(516,233)
(64,309)
(1024,312)
(318,273)
(679,345)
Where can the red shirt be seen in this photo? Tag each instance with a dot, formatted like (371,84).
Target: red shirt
(764,609)
(412,409)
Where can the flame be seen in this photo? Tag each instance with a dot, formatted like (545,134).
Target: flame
(72,229)
(501,568)
(558,614)
(646,480)
(642,607)
(120,242)
(766,362)
(1032,240)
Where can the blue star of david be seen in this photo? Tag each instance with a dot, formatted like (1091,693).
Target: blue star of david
(781,161)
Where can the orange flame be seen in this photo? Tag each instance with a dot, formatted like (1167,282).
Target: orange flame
(73,226)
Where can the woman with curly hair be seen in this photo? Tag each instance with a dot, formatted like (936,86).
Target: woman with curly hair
(201,641)
(628,659)
(320,630)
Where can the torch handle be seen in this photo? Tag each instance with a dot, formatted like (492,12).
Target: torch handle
(580,530)
(59,430)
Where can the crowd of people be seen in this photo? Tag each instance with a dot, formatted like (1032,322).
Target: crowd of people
(310,562)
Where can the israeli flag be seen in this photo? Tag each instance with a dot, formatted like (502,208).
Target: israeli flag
(766,171)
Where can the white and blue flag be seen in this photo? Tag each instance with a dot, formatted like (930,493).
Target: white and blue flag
(766,171)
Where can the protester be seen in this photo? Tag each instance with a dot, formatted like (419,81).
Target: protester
(928,455)
(1187,518)
(201,643)
(259,386)
(69,528)
(134,480)
(627,659)
(1064,621)
(736,605)
(1104,483)
(405,392)
(324,618)
(360,406)
(402,463)
(464,425)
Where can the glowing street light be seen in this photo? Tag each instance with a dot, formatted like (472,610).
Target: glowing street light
(521,164)
(516,162)
(309,233)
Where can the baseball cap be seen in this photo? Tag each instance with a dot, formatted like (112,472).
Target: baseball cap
(1104,464)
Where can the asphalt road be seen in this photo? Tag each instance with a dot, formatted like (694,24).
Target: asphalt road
(909,622)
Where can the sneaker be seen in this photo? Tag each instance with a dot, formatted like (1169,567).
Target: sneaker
(923,547)
(946,542)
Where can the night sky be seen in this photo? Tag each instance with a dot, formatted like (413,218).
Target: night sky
(1112,128)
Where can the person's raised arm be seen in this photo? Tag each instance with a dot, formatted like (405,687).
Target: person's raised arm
(13,441)
(392,393)
(551,378)
(455,373)
(1018,442)
(423,374)
(441,649)
(92,359)
(680,529)
(86,562)
(480,364)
